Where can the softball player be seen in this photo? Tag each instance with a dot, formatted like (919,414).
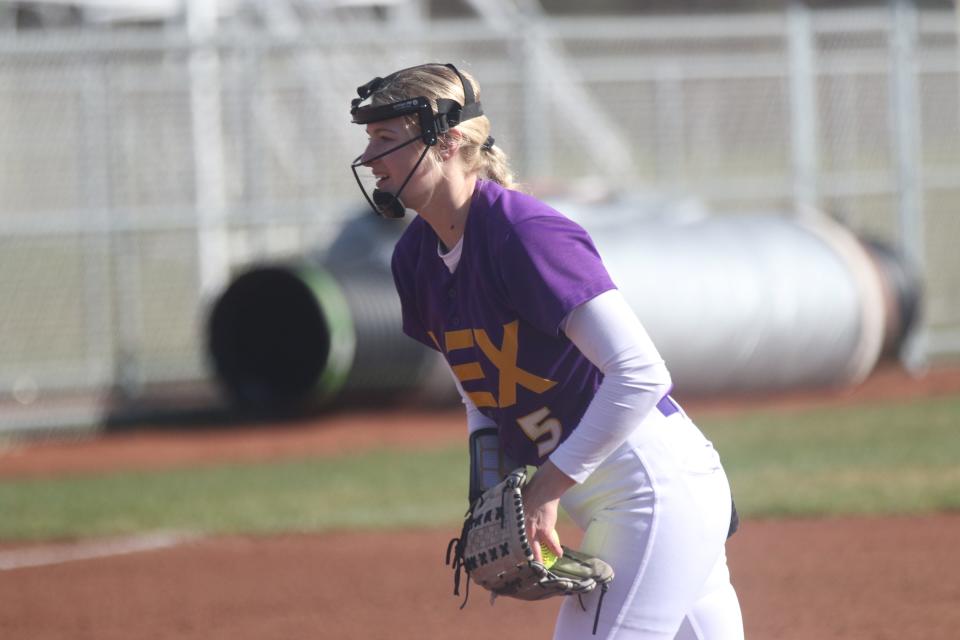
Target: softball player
(553,366)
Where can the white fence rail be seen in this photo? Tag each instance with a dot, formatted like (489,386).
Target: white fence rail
(140,167)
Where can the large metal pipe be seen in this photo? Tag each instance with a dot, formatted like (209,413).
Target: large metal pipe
(734,303)
(753,303)
(296,335)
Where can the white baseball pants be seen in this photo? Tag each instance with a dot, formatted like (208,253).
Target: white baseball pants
(657,510)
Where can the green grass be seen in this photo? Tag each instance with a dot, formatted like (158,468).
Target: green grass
(379,489)
(882,459)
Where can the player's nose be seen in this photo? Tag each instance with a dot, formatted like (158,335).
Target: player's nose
(369,155)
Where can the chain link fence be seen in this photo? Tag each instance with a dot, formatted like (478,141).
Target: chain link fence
(142,168)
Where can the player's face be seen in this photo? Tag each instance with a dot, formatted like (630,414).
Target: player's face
(391,170)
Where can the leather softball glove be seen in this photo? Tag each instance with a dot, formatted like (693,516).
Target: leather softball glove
(494,552)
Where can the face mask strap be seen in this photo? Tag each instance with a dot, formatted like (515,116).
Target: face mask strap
(386,204)
(360,160)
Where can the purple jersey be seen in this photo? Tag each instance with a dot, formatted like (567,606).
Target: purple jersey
(497,318)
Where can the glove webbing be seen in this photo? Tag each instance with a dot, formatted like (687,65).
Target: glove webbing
(456,546)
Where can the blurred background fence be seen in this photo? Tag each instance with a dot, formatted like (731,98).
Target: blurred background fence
(143,164)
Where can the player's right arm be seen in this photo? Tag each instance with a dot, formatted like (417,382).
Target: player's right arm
(488,463)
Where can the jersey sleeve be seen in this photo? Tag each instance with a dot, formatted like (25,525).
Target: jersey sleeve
(403,279)
(549,266)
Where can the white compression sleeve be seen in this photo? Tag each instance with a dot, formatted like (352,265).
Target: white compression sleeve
(475,419)
(608,332)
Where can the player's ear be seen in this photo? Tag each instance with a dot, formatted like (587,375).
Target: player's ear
(449,144)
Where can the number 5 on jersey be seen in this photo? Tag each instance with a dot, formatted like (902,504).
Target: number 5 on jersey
(538,424)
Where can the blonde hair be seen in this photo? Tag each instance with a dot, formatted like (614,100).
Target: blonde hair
(433,81)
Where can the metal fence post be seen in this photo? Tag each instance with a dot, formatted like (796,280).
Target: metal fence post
(907,145)
(537,134)
(207,125)
(100,313)
(671,119)
(803,106)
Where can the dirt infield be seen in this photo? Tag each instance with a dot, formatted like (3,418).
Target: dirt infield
(851,578)
(800,580)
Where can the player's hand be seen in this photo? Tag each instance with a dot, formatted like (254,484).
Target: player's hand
(541,502)
(541,528)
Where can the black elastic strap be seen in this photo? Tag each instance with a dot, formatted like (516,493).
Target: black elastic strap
(471,107)
(596,618)
(468,97)
(450,113)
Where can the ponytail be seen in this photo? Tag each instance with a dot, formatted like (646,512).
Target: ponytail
(495,166)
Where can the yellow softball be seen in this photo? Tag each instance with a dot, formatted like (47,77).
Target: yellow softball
(549,558)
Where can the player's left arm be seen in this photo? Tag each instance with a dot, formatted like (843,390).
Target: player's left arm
(609,334)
